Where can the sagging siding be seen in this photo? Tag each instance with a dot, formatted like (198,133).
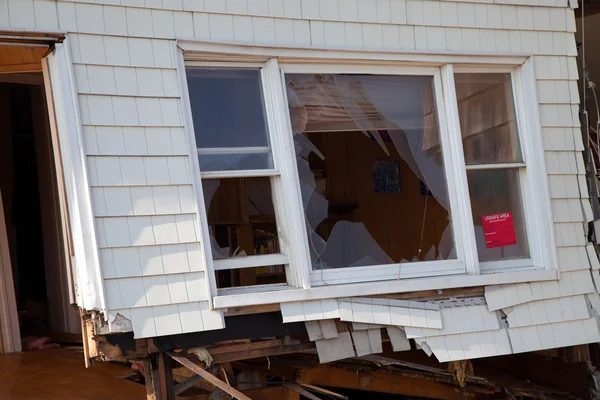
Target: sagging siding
(137,153)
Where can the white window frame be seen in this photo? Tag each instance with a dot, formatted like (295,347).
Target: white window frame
(466,270)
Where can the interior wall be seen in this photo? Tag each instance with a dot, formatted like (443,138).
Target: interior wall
(393,220)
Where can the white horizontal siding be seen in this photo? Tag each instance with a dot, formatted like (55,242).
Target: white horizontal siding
(135,141)
(171,319)
(143,200)
(127,262)
(570,284)
(549,336)
(391,312)
(560,309)
(460,320)
(469,345)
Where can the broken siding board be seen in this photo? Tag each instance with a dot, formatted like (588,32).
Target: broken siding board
(335,349)
(367,342)
(561,334)
(312,310)
(548,311)
(398,338)
(570,284)
(401,312)
(460,320)
(469,345)
(325,329)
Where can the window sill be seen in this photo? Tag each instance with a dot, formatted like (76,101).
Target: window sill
(385,287)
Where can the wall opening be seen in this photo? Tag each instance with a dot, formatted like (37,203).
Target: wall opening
(30,198)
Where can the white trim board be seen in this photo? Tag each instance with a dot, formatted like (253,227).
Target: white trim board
(374,288)
(223,51)
(89,288)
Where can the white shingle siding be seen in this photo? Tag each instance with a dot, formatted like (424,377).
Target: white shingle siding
(139,171)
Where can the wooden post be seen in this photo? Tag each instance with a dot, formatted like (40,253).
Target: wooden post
(159,378)
(10,337)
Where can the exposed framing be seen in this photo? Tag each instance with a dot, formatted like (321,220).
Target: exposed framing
(441,66)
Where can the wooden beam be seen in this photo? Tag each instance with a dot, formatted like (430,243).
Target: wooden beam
(265,308)
(165,376)
(242,347)
(263,352)
(326,392)
(268,393)
(301,391)
(152,379)
(378,381)
(209,377)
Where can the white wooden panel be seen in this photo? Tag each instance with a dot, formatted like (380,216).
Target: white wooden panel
(133,293)
(178,292)
(571,283)
(570,333)
(115,20)
(398,338)
(113,294)
(575,258)
(143,323)
(459,320)
(21,13)
(335,349)
(313,328)
(367,342)
(157,290)
(548,311)
(469,345)
(191,317)
(401,313)
(292,312)
(328,328)
(166,319)
(126,262)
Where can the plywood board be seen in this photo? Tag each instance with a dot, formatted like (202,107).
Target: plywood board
(21,59)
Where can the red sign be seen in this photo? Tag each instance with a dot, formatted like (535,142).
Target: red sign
(499,230)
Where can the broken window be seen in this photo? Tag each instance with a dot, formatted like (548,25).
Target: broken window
(371,169)
(328,173)
(494,163)
(236,167)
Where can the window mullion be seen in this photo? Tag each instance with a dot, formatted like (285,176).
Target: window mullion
(461,210)
(286,187)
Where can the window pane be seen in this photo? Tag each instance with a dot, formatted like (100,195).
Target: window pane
(241,217)
(371,169)
(497,214)
(487,118)
(235,162)
(228,112)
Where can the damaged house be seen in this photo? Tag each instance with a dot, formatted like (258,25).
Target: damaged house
(307,193)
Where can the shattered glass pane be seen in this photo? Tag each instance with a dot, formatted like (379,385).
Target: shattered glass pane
(487,115)
(371,169)
(229,119)
(241,217)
